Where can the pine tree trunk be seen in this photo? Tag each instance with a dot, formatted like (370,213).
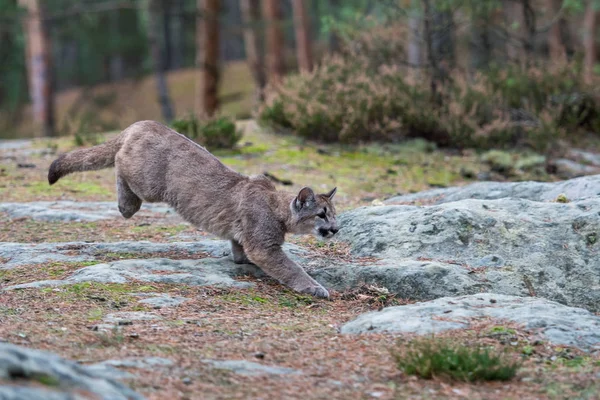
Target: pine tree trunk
(178,34)
(157,60)
(167,34)
(207,56)
(301,27)
(251,17)
(335,43)
(414,52)
(39,66)
(556,46)
(274,33)
(514,21)
(589,42)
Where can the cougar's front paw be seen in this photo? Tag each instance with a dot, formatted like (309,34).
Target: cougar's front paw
(317,291)
(242,260)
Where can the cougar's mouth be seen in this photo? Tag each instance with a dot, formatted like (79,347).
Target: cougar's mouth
(327,233)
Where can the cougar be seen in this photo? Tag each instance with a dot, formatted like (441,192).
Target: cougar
(156,164)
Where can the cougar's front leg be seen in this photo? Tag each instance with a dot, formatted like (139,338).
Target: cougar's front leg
(239,257)
(276,263)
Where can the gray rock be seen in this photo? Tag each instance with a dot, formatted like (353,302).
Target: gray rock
(567,169)
(509,246)
(204,272)
(164,301)
(110,368)
(555,322)
(64,379)
(127,316)
(243,367)
(70,211)
(575,189)
(585,156)
(17,254)
(409,279)
(9,392)
(14,144)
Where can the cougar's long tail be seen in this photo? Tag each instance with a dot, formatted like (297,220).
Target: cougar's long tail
(97,157)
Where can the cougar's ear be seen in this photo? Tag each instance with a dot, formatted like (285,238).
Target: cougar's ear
(305,196)
(331,194)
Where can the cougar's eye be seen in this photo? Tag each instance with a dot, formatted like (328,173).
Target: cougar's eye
(323,214)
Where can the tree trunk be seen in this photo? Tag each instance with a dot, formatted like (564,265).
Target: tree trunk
(157,60)
(442,38)
(431,58)
(167,34)
(39,66)
(514,21)
(589,42)
(116,66)
(178,35)
(334,38)
(207,56)
(414,53)
(556,46)
(481,44)
(530,28)
(275,62)
(251,17)
(301,27)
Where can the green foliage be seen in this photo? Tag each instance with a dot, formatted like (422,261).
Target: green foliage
(365,95)
(214,133)
(428,358)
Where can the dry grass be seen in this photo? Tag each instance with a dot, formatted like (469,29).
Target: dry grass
(135,100)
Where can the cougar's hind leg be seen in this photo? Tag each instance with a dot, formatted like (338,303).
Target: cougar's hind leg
(129,202)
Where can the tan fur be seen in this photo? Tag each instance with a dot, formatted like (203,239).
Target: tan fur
(156,164)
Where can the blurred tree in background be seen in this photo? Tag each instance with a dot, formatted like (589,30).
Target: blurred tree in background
(82,65)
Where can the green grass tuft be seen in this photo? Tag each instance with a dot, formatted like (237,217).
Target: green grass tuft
(429,358)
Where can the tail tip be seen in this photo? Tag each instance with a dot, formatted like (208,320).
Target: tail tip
(54,173)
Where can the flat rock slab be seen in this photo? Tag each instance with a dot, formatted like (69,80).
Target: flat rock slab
(507,246)
(77,211)
(17,254)
(575,189)
(555,322)
(164,301)
(65,379)
(204,272)
(248,368)
(110,368)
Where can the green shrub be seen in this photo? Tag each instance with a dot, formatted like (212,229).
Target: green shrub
(366,94)
(428,358)
(214,133)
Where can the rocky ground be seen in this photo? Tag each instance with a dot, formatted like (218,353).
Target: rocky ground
(92,304)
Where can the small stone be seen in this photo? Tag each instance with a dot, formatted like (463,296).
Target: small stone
(124,322)
(260,355)
(187,380)
(134,335)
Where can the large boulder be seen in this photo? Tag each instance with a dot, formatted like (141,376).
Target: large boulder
(27,374)
(574,189)
(507,246)
(554,322)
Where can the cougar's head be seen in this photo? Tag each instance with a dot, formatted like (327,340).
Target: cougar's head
(314,213)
